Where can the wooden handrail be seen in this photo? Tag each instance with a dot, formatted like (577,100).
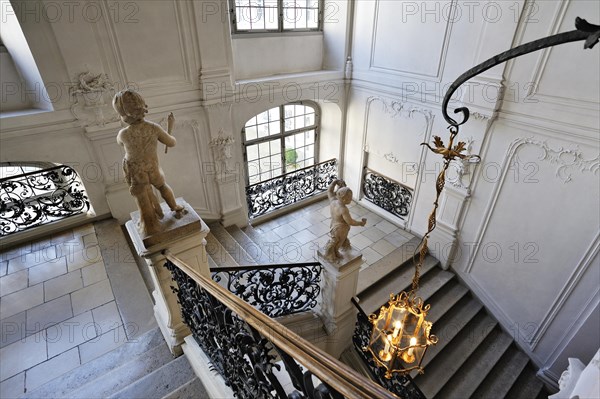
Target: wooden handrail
(330,371)
(262,267)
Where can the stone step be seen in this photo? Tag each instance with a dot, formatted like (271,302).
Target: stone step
(253,249)
(503,376)
(400,258)
(466,380)
(218,253)
(233,248)
(448,327)
(121,377)
(271,245)
(527,386)
(160,382)
(452,358)
(431,280)
(60,387)
(191,390)
(445,298)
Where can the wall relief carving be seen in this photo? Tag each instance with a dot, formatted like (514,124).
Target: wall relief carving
(89,105)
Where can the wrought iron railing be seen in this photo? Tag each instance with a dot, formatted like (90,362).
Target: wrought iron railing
(32,199)
(387,193)
(401,385)
(275,193)
(275,290)
(251,351)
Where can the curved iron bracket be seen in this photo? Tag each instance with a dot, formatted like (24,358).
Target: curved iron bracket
(585,31)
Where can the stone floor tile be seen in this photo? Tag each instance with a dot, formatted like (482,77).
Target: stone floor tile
(383,247)
(21,300)
(14,282)
(309,252)
(370,255)
(285,230)
(46,271)
(89,240)
(299,224)
(91,297)
(373,234)
(386,226)
(12,329)
(13,387)
(48,314)
(27,260)
(22,355)
(314,217)
(3,267)
(79,257)
(70,333)
(63,236)
(84,230)
(319,228)
(103,344)
(107,317)
(304,237)
(288,250)
(15,251)
(93,274)
(62,285)
(404,233)
(360,242)
(52,368)
(396,239)
(372,219)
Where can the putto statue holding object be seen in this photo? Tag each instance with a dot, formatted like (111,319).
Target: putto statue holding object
(340,220)
(142,171)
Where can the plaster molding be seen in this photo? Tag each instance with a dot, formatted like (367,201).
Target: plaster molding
(462,167)
(554,156)
(92,88)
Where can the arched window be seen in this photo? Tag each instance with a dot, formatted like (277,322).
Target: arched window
(36,193)
(280,140)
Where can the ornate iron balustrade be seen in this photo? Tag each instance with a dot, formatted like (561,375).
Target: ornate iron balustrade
(275,290)
(287,189)
(33,199)
(386,193)
(401,385)
(250,351)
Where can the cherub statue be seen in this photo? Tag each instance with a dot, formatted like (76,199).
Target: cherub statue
(340,220)
(140,164)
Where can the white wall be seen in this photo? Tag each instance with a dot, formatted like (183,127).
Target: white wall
(542,282)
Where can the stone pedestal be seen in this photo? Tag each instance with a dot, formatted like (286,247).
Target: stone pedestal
(338,286)
(185,239)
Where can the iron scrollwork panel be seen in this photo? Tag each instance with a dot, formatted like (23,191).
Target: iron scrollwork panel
(277,291)
(41,197)
(387,194)
(400,385)
(290,188)
(247,361)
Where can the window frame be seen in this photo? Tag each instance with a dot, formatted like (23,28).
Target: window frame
(281,136)
(280,29)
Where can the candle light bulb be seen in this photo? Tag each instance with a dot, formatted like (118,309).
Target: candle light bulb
(413,342)
(397,328)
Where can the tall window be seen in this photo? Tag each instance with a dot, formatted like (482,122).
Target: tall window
(276,15)
(280,140)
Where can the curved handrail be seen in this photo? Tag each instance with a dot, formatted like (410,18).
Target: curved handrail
(585,31)
(262,267)
(337,375)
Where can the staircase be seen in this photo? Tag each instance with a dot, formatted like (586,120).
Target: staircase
(144,368)
(474,356)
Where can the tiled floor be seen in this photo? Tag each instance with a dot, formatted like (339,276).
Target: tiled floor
(306,229)
(57,309)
